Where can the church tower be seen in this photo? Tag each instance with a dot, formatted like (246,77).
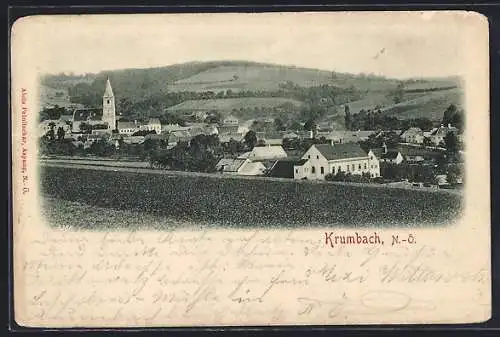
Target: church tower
(108,107)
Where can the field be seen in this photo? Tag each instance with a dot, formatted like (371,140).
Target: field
(236,202)
(233,103)
(431,105)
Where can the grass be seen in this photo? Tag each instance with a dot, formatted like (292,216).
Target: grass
(208,201)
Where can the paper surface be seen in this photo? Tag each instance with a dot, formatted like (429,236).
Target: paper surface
(139,275)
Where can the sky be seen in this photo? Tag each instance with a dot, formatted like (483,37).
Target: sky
(397,45)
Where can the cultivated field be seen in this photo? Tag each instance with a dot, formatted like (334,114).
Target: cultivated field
(235,202)
(233,103)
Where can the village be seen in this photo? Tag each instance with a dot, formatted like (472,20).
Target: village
(211,142)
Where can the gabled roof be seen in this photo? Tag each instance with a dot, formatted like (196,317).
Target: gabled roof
(443,131)
(108,92)
(340,151)
(412,131)
(126,125)
(94,114)
(391,155)
(252,168)
(267,152)
(229,164)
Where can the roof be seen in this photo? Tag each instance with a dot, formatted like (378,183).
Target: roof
(267,152)
(412,131)
(341,151)
(443,131)
(108,92)
(284,168)
(94,114)
(253,168)
(229,164)
(126,125)
(391,155)
(154,121)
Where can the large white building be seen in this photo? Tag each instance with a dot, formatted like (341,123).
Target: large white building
(323,159)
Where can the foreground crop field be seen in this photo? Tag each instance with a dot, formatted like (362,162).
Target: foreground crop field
(235,202)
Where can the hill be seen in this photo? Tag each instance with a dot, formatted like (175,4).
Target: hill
(205,85)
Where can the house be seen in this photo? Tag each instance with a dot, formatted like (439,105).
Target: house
(153,125)
(240,166)
(437,136)
(227,129)
(388,156)
(413,135)
(230,121)
(268,152)
(326,159)
(127,128)
(290,168)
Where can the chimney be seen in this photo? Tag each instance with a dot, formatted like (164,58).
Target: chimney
(449,125)
(385,148)
(135,122)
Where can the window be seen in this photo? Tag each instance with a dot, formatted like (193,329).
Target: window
(322,170)
(371,157)
(339,169)
(309,156)
(333,170)
(347,168)
(353,167)
(313,170)
(359,167)
(365,166)
(317,157)
(296,170)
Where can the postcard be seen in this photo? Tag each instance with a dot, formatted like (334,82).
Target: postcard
(250,169)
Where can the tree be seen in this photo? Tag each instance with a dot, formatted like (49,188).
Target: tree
(347,118)
(398,93)
(310,125)
(279,125)
(451,143)
(449,114)
(250,139)
(60,133)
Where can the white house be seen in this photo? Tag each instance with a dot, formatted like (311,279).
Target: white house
(230,120)
(438,135)
(326,159)
(127,128)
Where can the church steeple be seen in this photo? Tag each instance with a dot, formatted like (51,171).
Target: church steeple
(108,107)
(108,92)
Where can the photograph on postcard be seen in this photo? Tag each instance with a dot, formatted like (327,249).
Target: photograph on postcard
(251,169)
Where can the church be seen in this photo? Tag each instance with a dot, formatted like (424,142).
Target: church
(99,118)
